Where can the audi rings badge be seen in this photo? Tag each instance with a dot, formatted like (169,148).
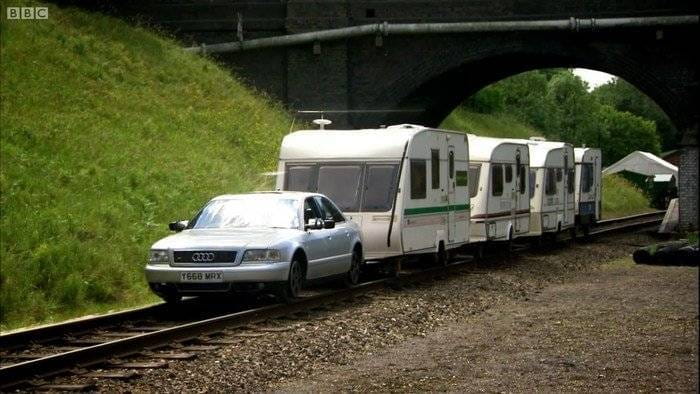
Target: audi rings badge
(202,257)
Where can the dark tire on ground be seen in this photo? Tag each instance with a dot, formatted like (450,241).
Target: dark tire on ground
(510,241)
(586,228)
(290,290)
(172,298)
(572,233)
(352,277)
(441,257)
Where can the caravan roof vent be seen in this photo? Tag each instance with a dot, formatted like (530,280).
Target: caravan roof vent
(538,139)
(322,123)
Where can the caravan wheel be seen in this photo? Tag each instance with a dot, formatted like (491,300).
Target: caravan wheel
(441,258)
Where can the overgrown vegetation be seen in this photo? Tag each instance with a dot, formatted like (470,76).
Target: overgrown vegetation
(109,132)
(487,125)
(615,117)
(622,198)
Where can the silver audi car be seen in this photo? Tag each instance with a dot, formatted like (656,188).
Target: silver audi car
(269,241)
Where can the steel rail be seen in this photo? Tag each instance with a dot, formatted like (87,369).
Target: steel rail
(50,332)
(385,29)
(630,218)
(24,372)
(631,223)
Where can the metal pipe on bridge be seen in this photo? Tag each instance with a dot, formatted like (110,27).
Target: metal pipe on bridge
(385,29)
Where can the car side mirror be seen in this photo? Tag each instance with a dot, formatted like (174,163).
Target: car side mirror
(328,223)
(313,224)
(178,226)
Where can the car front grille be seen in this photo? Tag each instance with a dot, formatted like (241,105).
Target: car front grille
(204,257)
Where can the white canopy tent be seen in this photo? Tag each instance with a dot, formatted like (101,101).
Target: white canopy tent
(644,163)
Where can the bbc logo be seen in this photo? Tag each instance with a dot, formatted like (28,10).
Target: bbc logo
(27,12)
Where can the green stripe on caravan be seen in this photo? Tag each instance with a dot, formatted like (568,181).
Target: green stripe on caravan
(446,208)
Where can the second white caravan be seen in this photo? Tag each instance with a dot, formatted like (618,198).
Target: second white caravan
(498,184)
(405,185)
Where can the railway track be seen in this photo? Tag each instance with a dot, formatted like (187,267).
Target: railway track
(161,332)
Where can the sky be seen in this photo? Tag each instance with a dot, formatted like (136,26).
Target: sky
(594,78)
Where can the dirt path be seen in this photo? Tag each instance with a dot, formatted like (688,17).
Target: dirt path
(619,328)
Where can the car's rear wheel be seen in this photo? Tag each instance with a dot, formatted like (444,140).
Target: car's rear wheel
(352,277)
(295,281)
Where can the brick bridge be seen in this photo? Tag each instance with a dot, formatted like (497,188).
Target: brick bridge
(420,58)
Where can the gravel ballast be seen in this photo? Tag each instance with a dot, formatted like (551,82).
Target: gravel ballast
(309,351)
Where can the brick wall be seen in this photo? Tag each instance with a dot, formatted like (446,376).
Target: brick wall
(688,190)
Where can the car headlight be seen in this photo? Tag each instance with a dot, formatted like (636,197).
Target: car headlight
(261,255)
(158,257)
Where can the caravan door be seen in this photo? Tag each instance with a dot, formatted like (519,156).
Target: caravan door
(516,194)
(451,219)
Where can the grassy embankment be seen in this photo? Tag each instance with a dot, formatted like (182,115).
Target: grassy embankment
(109,132)
(620,196)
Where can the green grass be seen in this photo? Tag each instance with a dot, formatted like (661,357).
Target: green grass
(488,125)
(622,198)
(108,132)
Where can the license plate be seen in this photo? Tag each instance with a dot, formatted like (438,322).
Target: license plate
(208,276)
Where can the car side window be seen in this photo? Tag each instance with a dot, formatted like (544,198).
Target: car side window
(329,210)
(311,210)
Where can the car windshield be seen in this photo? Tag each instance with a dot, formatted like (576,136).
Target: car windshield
(239,212)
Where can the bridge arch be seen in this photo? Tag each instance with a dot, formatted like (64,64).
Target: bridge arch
(446,75)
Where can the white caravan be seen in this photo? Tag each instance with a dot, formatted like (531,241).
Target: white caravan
(588,186)
(405,185)
(551,186)
(498,187)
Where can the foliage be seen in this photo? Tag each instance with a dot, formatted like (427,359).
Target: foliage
(624,133)
(622,198)
(559,103)
(622,96)
(107,133)
(498,125)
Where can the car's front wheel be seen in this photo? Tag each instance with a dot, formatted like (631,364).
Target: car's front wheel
(291,289)
(172,298)
(352,277)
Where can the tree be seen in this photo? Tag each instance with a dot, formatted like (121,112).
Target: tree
(623,132)
(574,109)
(623,96)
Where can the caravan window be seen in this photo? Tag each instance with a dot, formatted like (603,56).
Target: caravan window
(550,181)
(509,173)
(451,164)
(341,183)
(570,181)
(521,178)
(435,168)
(299,178)
(418,179)
(533,180)
(559,175)
(497,180)
(474,171)
(380,183)
(586,177)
